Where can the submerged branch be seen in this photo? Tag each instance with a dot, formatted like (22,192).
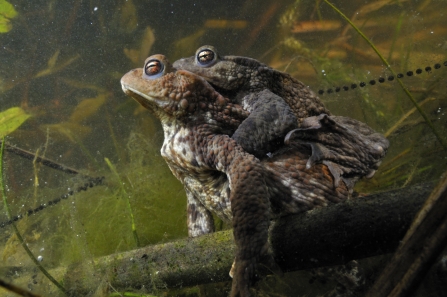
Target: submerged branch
(17,290)
(424,241)
(359,228)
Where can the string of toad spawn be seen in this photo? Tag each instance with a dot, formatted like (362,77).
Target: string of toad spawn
(90,182)
(409,73)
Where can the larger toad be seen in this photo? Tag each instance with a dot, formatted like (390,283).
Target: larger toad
(218,175)
(349,148)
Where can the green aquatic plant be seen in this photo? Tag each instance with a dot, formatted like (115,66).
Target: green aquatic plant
(11,119)
(125,194)
(404,88)
(7,12)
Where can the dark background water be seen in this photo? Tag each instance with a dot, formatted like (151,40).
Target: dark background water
(62,62)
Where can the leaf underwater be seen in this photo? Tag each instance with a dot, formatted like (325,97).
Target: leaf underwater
(75,127)
(7,12)
(11,119)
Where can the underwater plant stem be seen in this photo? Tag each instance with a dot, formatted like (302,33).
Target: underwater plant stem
(134,228)
(119,152)
(36,174)
(86,152)
(16,231)
(404,88)
(405,116)
(396,34)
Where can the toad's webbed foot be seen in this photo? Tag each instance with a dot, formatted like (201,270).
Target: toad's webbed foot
(269,121)
(349,148)
(267,260)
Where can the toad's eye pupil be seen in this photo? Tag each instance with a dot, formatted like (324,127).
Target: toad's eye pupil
(205,56)
(153,67)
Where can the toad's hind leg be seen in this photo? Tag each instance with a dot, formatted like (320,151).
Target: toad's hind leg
(350,149)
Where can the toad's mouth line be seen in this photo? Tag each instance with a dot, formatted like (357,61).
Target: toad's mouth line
(230,94)
(146,100)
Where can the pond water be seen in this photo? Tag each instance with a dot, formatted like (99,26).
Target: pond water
(61,63)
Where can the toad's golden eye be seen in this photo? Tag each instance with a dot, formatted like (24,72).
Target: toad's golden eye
(205,56)
(153,68)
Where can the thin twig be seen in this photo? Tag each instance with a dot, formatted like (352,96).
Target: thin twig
(47,162)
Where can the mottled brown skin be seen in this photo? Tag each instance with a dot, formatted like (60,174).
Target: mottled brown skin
(237,77)
(348,147)
(241,79)
(263,131)
(218,174)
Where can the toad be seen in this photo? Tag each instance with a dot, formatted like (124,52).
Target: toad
(218,175)
(349,148)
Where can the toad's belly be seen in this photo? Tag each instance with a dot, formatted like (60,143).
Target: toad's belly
(214,194)
(210,187)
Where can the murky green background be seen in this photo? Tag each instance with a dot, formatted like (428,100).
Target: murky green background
(61,63)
